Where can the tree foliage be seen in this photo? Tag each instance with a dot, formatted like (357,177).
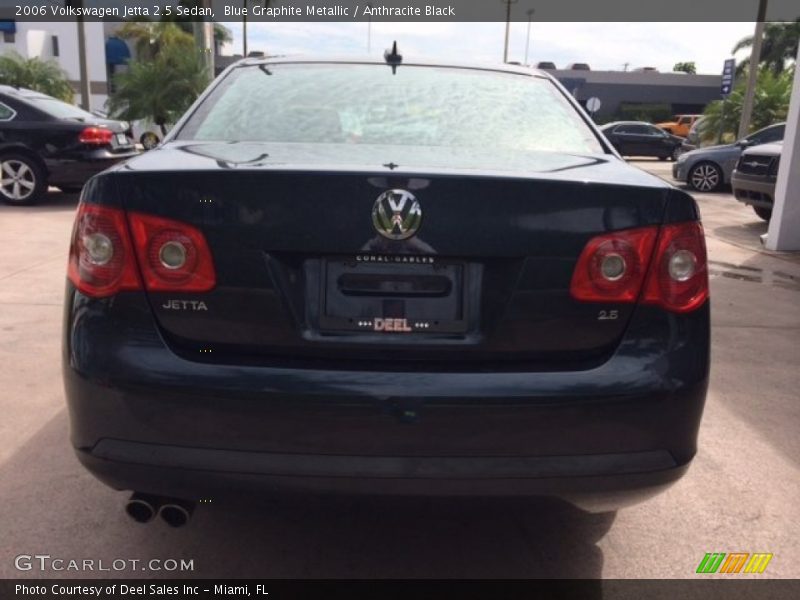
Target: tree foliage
(149,38)
(162,87)
(771,105)
(35,74)
(221,33)
(685,67)
(778,48)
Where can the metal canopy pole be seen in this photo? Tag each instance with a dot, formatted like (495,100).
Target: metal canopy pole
(752,76)
(784,227)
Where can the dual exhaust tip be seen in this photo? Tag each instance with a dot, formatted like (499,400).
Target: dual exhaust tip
(143,508)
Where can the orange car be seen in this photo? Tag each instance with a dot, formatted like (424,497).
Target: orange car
(680,124)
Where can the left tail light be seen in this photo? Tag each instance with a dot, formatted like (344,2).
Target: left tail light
(96,136)
(172,256)
(101,259)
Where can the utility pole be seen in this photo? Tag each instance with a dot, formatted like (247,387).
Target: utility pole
(204,39)
(83,68)
(528,12)
(508,4)
(369,28)
(244,29)
(752,75)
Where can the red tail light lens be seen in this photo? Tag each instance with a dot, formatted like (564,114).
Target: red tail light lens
(617,267)
(96,136)
(612,267)
(173,256)
(101,261)
(678,278)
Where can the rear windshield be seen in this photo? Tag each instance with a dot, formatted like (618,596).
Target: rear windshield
(369,105)
(57,108)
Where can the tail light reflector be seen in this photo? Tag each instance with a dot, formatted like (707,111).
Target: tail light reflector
(101,261)
(173,256)
(96,136)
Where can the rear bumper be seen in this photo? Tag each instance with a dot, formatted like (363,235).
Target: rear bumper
(597,483)
(76,169)
(147,419)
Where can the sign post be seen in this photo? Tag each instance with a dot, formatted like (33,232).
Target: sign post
(593,105)
(728,72)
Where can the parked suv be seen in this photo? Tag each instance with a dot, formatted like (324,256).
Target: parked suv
(679,125)
(754,177)
(45,141)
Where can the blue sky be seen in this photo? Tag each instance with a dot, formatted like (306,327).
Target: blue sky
(602,45)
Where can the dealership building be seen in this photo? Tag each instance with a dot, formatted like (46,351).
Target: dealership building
(617,90)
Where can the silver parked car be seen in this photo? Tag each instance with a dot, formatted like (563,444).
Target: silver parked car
(708,169)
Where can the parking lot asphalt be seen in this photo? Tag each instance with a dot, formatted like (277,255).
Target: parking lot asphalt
(740,495)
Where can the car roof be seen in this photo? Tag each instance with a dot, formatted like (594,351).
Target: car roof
(769,148)
(407,61)
(21,92)
(626,123)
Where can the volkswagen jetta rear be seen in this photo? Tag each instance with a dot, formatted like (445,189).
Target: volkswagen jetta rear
(405,279)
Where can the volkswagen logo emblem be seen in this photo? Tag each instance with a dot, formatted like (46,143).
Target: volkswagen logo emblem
(397,214)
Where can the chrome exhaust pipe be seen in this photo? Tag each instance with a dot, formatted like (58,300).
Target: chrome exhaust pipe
(176,513)
(142,507)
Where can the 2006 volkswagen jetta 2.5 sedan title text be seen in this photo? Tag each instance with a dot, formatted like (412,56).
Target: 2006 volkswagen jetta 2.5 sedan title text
(387,278)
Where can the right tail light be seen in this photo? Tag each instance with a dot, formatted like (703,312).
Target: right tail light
(664,266)
(678,277)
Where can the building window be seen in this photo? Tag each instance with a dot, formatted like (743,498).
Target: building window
(55,45)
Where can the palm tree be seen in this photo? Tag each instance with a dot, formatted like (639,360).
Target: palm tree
(778,49)
(771,105)
(161,88)
(35,74)
(148,38)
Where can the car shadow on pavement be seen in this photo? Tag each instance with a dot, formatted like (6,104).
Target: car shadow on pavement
(51,505)
(746,234)
(53,200)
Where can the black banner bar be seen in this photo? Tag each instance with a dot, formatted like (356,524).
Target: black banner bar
(399,10)
(729,588)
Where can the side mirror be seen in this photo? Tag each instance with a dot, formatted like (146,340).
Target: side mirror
(744,143)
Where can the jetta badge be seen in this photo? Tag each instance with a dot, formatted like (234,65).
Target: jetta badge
(396,214)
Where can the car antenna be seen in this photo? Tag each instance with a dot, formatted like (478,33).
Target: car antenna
(393,57)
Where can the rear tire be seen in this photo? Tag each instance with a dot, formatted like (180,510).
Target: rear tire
(149,140)
(663,158)
(22,179)
(763,213)
(705,177)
